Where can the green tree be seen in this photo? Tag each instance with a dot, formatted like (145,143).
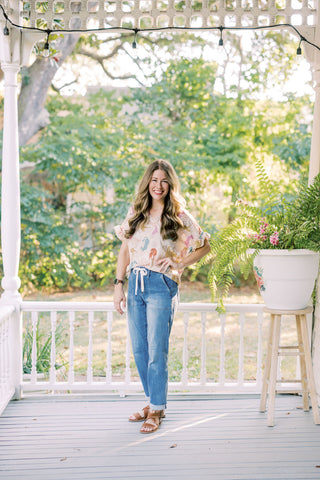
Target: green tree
(100,145)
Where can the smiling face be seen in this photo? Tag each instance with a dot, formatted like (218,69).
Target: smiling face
(158,186)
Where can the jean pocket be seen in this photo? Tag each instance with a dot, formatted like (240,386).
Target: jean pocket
(171,285)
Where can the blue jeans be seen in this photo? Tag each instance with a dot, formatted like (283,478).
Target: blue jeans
(152,299)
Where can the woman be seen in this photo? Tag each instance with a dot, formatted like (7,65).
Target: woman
(159,239)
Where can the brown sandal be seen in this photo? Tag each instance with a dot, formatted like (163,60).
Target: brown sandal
(140,416)
(153,421)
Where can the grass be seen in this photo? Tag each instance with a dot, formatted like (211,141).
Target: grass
(189,292)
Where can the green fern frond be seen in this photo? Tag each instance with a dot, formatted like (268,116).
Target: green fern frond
(297,224)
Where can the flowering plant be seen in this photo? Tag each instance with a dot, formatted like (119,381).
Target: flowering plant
(275,222)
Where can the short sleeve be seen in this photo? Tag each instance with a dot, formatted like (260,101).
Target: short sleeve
(120,230)
(193,236)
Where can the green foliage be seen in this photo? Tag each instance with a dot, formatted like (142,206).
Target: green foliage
(43,346)
(270,61)
(276,221)
(50,254)
(88,161)
(202,133)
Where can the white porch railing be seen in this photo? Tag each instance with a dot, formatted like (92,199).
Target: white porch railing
(209,352)
(6,385)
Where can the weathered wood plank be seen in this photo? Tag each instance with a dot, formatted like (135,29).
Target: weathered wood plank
(217,438)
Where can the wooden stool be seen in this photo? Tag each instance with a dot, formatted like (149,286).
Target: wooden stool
(275,350)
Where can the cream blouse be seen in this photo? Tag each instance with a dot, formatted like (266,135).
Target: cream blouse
(146,246)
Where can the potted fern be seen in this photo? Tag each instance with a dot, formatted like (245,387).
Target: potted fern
(279,237)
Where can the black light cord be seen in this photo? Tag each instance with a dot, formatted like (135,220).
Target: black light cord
(135,31)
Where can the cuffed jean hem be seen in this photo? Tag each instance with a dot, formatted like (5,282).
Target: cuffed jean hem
(157,407)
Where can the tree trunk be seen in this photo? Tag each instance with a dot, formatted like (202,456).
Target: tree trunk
(35,85)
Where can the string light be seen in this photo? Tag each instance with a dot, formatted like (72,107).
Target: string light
(46,48)
(6,29)
(221,39)
(134,43)
(299,48)
(158,29)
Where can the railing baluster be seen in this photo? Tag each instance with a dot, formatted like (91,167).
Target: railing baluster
(89,369)
(5,345)
(222,373)
(3,340)
(184,377)
(203,375)
(241,350)
(92,383)
(71,347)
(109,349)
(34,353)
(6,386)
(259,352)
(53,372)
(2,358)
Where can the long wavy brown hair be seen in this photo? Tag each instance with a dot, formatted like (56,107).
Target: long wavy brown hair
(173,202)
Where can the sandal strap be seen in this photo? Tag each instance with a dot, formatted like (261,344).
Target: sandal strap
(141,415)
(154,420)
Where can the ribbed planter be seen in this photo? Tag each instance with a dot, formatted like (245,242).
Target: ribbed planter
(286,277)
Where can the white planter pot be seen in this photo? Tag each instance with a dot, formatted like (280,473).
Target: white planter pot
(286,277)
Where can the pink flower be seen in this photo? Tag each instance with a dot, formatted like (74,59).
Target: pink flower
(274,238)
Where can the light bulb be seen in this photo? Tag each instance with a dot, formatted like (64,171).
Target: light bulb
(221,39)
(46,50)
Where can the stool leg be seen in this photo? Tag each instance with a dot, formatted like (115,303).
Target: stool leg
(273,368)
(310,377)
(304,382)
(266,375)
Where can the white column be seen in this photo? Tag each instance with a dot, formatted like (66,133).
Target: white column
(314,167)
(10,196)
(15,50)
(313,56)
(10,220)
(316,341)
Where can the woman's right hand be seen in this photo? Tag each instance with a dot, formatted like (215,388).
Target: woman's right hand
(119,298)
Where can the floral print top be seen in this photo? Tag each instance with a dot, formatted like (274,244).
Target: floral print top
(147,246)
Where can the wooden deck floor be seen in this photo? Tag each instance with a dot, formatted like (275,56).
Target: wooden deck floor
(216,438)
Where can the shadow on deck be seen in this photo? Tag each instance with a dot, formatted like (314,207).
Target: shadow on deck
(206,437)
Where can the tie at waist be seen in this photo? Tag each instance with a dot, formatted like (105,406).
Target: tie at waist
(143,272)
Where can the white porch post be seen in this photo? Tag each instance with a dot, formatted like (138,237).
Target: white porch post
(10,197)
(314,58)
(10,220)
(15,50)
(314,167)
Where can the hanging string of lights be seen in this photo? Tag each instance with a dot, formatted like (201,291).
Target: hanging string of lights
(136,31)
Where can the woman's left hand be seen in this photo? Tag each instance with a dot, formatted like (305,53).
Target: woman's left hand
(166,263)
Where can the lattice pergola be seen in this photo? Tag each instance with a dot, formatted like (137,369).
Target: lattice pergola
(157,14)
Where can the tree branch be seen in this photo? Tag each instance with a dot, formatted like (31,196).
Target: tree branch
(118,77)
(96,56)
(58,89)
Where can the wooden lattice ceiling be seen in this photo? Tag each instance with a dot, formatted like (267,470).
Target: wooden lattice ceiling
(153,14)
